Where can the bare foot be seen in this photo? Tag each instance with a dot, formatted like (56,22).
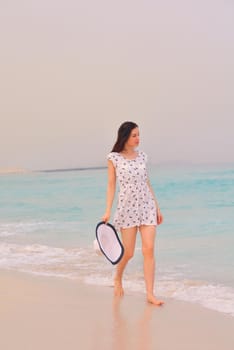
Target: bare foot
(153,300)
(118,288)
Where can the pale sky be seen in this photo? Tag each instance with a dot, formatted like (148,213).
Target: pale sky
(72,71)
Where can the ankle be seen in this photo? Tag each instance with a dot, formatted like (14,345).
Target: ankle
(150,295)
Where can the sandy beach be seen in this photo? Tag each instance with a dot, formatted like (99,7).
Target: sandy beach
(7,171)
(50,313)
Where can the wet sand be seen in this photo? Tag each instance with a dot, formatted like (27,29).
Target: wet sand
(48,313)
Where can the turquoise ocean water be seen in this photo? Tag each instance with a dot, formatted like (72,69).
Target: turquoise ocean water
(48,219)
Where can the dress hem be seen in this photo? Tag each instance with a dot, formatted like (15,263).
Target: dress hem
(131,226)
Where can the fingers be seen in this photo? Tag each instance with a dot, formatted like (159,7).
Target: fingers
(159,219)
(105,218)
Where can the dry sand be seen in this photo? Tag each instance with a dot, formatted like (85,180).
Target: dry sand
(55,314)
(6,171)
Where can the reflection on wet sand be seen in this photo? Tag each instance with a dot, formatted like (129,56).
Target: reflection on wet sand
(131,331)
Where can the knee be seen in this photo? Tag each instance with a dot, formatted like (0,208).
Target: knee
(148,252)
(128,255)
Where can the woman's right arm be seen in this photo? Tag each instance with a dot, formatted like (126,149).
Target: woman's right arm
(111,185)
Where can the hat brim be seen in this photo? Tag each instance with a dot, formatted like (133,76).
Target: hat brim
(109,242)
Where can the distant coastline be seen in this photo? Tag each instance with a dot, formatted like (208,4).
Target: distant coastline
(15,170)
(6,171)
(71,169)
(9,171)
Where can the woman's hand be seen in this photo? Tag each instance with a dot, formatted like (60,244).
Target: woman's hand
(159,217)
(106,217)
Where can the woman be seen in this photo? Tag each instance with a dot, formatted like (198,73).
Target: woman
(137,205)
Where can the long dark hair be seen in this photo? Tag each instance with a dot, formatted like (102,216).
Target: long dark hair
(123,135)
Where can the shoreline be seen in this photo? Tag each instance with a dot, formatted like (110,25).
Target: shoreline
(54,313)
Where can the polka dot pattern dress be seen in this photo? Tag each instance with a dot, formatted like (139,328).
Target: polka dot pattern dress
(136,205)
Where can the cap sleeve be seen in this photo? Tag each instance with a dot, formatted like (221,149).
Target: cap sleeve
(144,156)
(113,157)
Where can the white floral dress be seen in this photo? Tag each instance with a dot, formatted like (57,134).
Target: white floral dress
(136,205)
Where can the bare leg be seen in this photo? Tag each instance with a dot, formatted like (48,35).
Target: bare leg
(129,241)
(148,234)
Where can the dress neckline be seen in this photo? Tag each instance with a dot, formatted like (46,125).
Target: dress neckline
(138,153)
